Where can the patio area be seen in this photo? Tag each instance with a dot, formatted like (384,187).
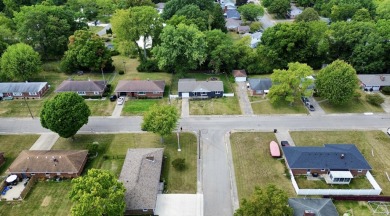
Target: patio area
(14,191)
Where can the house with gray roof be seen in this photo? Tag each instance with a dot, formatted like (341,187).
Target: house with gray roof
(190,88)
(23,89)
(243,29)
(374,82)
(259,86)
(232,24)
(312,206)
(232,13)
(141,177)
(140,88)
(83,88)
(337,163)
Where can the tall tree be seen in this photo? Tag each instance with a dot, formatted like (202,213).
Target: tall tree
(289,85)
(198,17)
(125,4)
(279,7)
(182,48)
(308,15)
(337,82)
(19,63)
(86,51)
(383,10)
(132,24)
(268,201)
(45,28)
(97,193)
(362,15)
(221,56)
(7,33)
(65,114)
(172,6)
(251,12)
(160,120)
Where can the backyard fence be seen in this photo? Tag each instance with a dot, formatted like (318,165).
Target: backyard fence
(28,187)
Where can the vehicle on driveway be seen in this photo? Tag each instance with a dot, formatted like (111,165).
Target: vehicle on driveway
(311,108)
(113,98)
(305,100)
(284,143)
(120,101)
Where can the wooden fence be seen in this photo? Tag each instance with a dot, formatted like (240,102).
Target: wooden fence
(28,187)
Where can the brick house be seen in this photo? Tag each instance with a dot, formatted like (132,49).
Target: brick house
(140,88)
(23,89)
(83,88)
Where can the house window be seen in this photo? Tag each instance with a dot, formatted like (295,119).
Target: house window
(141,93)
(217,92)
(360,170)
(32,93)
(17,94)
(156,92)
(323,170)
(144,210)
(96,93)
(81,92)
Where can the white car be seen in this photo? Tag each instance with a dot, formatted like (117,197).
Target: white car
(120,100)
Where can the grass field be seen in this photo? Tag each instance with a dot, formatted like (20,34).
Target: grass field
(12,145)
(45,198)
(357,208)
(113,149)
(217,106)
(140,106)
(261,105)
(253,164)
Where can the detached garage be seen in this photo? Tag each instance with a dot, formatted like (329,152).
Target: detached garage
(239,75)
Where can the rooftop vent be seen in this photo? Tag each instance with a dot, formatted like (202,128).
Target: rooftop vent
(309,213)
(382,77)
(342,156)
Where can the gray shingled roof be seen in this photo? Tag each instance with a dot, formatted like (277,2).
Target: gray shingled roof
(75,86)
(327,157)
(141,177)
(232,23)
(375,79)
(191,85)
(319,206)
(140,86)
(232,13)
(260,84)
(21,87)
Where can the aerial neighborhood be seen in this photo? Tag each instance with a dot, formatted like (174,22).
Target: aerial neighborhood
(195,107)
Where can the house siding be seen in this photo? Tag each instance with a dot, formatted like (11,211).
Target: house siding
(195,95)
(304,172)
(150,95)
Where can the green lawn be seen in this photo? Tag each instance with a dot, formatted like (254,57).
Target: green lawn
(140,106)
(261,105)
(12,145)
(358,208)
(101,107)
(215,106)
(366,141)
(45,198)
(254,166)
(356,183)
(95,29)
(113,148)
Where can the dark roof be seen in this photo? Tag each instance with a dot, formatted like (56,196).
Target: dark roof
(160,5)
(232,23)
(239,73)
(21,87)
(49,161)
(232,13)
(375,79)
(191,85)
(331,156)
(241,29)
(86,86)
(141,176)
(140,86)
(260,84)
(319,206)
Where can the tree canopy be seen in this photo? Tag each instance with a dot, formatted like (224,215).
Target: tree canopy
(279,7)
(65,114)
(337,82)
(172,6)
(97,193)
(19,63)
(251,12)
(268,201)
(308,15)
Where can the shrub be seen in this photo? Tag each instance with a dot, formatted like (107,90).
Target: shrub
(150,65)
(375,99)
(114,52)
(93,148)
(179,164)
(386,90)
(255,26)
(121,72)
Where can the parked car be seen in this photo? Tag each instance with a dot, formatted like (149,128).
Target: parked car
(311,108)
(305,100)
(285,143)
(120,100)
(113,98)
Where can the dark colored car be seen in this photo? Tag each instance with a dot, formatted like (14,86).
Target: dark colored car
(285,143)
(305,100)
(113,98)
(311,107)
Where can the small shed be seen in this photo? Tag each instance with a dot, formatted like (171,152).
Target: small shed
(274,149)
(239,75)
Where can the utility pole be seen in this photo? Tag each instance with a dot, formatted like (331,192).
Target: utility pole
(28,107)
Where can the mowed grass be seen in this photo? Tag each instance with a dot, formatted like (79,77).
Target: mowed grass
(358,208)
(140,106)
(101,107)
(253,164)
(12,145)
(356,183)
(113,149)
(45,198)
(261,105)
(215,106)
(366,141)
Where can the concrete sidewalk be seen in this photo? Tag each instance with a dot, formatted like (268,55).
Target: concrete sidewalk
(179,205)
(284,135)
(45,141)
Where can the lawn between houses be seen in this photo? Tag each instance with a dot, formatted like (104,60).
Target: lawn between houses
(262,105)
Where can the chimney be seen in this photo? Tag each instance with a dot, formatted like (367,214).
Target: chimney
(382,77)
(309,213)
(342,156)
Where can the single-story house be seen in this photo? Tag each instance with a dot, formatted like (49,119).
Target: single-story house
(259,86)
(239,75)
(294,12)
(141,177)
(243,29)
(232,13)
(337,163)
(23,89)
(140,88)
(374,82)
(190,88)
(49,163)
(83,88)
(232,24)
(160,7)
(255,38)
(312,207)
(2,158)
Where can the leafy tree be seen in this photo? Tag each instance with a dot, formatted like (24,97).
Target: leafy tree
(45,28)
(375,99)
(279,7)
(65,114)
(306,3)
(6,33)
(216,18)
(383,10)
(289,85)
(129,25)
(255,26)
(172,6)
(250,12)
(308,15)
(97,193)
(161,120)
(124,4)
(383,29)
(362,15)
(268,201)
(87,9)
(337,82)
(105,8)
(219,47)
(86,51)
(266,3)
(197,16)
(182,48)
(19,62)
(339,10)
